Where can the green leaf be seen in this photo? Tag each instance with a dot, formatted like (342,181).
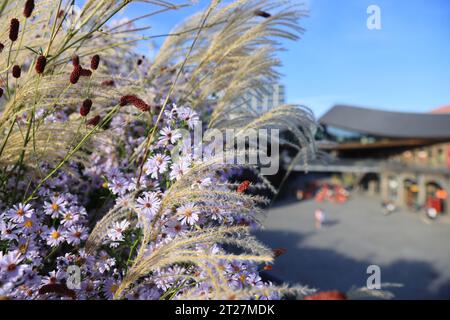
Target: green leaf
(32,50)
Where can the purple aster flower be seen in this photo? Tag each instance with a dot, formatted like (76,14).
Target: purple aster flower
(30,225)
(105,263)
(148,204)
(10,266)
(188,115)
(75,234)
(8,231)
(159,163)
(202,183)
(116,232)
(53,277)
(168,136)
(19,212)
(55,207)
(70,216)
(175,228)
(188,214)
(119,186)
(27,248)
(123,201)
(110,287)
(255,280)
(55,237)
(179,168)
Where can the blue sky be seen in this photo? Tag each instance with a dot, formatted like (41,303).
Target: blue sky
(405,66)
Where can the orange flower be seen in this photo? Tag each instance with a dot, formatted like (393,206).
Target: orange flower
(327,295)
(243,186)
(279,251)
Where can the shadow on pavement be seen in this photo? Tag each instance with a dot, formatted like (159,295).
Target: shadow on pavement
(326,269)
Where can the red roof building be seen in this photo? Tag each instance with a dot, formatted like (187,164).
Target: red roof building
(444,109)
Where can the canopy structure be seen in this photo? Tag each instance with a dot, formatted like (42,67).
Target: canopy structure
(389,124)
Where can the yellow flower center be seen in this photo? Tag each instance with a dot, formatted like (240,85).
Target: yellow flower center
(188,213)
(23,248)
(28,223)
(55,235)
(20,212)
(113,288)
(55,206)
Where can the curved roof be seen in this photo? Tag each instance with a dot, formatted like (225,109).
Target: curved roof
(388,124)
(444,109)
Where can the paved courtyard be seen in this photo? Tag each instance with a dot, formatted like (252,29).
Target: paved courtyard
(408,248)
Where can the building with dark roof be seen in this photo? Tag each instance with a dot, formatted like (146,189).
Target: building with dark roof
(403,157)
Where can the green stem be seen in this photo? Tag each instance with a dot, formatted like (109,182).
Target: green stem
(151,135)
(4,4)
(72,152)
(7,136)
(7,72)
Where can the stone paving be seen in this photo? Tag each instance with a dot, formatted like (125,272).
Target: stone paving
(409,248)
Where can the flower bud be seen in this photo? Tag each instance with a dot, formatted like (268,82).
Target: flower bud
(16,71)
(28,9)
(75,75)
(86,107)
(14,29)
(41,62)
(94,121)
(95,62)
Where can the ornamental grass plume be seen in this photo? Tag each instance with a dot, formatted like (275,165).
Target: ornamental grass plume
(122,194)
